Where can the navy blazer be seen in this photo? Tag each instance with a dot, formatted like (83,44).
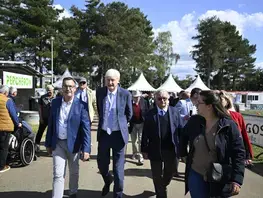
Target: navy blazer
(124,110)
(78,128)
(151,135)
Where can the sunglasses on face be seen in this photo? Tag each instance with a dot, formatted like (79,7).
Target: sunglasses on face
(82,83)
(162,98)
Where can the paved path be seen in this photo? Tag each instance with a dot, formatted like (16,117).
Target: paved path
(35,180)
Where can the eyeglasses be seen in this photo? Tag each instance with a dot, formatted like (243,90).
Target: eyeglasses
(68,86)
(83,83)
(161,98)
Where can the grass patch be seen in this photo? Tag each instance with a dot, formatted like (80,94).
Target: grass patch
(253,112)
(257,150)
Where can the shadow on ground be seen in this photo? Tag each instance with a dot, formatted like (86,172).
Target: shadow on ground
(257,168)
(81,194)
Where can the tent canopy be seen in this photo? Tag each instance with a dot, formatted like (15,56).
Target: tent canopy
(170,85)
(141,84)
(58,83)
(198,83)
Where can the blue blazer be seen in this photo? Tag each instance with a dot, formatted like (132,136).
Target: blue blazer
(78,130)
(151,135)
(124,110)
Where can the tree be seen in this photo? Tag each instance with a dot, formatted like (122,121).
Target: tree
(209,49)
(164,49)
(38,24)
(222,54)
(9,29)
(114,36)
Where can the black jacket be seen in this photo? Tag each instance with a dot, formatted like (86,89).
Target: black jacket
(229,146)
(151,135)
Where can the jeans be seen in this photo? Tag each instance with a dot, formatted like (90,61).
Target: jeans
(197,186)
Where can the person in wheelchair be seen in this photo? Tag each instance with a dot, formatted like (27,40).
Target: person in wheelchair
(8,122)
(21,145)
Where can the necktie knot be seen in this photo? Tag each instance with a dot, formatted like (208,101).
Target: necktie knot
(162,113)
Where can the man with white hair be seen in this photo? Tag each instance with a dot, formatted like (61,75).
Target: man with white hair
(12,93)
(160,141)
(8,122)
(114,105)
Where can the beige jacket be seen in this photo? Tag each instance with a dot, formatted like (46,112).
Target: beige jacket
(91,103)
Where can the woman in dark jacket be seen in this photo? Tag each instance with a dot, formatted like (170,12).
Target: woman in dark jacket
(214,138)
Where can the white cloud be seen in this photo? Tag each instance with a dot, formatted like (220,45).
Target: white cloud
(64,14)
(183,30)
(259,65)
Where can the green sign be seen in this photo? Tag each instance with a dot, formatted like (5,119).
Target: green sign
(19,81)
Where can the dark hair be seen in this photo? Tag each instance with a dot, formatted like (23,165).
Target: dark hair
(211,98)
(195,91)
(68,78)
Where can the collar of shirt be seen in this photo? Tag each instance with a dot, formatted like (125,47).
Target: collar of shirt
(164,109)
(68,103)
(113,93)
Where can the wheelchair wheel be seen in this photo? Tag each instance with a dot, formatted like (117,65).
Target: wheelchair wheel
(27,151)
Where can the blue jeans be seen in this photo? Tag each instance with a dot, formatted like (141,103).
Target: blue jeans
(197,186)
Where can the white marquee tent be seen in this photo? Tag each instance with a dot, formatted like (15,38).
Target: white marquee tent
(141,84)
(198,83)
(58,83)
(170,85)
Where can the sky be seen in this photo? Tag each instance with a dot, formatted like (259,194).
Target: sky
(181,18)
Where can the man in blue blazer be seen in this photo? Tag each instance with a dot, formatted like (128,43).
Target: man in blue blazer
(114,105)
(68,134)
(160,141)
(187,107)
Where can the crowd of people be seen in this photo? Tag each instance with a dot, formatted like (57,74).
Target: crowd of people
(201,128)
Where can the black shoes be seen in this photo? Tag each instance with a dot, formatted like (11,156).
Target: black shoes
(106,188)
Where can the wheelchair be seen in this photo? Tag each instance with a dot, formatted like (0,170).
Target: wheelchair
(21,146)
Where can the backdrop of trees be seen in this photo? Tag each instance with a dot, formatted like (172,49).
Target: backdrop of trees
(112,35)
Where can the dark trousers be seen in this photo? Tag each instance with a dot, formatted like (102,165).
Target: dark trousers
(41,129)
(162,172)
(4,139)
(116,143)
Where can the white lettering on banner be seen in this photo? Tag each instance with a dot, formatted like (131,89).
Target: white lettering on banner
(19,81)
(254,126)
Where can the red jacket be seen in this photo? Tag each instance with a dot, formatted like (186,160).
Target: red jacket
(238,118)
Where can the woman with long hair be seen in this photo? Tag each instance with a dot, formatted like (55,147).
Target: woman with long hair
(215,144)
(226,101)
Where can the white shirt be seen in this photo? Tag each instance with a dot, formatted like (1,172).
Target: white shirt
(63,119)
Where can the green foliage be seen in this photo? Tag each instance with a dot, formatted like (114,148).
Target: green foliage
(222,55)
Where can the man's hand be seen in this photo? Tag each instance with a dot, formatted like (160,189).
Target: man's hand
(84,156)
(20,125)
(49,150)
(145,155)
(235,189)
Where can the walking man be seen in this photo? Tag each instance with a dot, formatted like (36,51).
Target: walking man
(114,106)
(160,141)
(68,134)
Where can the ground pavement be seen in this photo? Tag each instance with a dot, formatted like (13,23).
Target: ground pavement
(35,180)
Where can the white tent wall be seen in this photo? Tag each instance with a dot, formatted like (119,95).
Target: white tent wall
(141,84)
(170,85)
(198,83)
(58,83)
